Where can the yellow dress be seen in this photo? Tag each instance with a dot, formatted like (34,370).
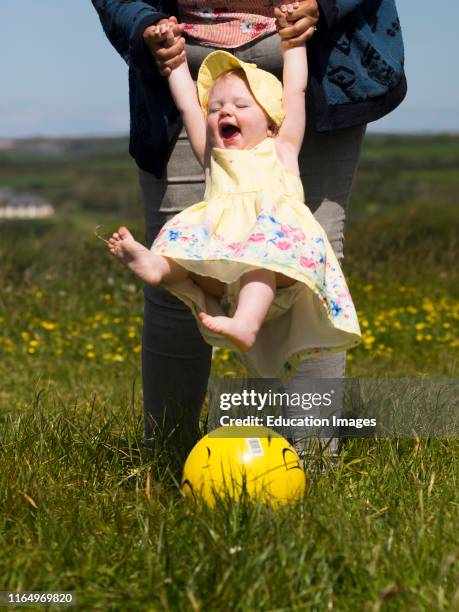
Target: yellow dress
(254,216)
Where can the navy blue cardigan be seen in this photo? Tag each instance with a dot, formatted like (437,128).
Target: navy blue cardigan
(355,63)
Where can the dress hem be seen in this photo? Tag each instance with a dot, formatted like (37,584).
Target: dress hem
(289,360)
(256,266)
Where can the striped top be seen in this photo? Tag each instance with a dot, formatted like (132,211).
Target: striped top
(229,24)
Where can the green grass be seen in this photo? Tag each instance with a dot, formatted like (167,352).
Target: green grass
(85,509)
(379,531)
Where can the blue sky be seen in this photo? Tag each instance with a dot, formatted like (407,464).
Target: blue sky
(60,76)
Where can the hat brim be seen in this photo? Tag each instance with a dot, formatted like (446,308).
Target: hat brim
(265,87)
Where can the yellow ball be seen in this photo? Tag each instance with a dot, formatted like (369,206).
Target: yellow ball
(236,461)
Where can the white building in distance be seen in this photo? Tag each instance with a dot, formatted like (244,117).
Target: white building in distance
(23,205)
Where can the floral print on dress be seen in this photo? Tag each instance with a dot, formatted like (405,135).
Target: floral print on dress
(264,223)
(284,248)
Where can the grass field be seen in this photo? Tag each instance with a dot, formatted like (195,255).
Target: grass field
(83,507)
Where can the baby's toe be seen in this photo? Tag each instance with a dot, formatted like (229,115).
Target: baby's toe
(124,233)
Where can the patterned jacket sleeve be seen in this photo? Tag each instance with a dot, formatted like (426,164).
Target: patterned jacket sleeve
(123,23)
(334,11)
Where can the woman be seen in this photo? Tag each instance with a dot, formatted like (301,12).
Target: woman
(355,53)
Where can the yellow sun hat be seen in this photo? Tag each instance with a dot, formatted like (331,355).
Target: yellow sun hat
(265,87)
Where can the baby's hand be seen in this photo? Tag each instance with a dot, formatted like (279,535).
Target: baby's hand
(286,10)
(289,8)
(166,44)
(296,22)
(163,33)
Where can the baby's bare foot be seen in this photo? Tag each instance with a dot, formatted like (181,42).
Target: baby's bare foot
(134,256)
(241,333)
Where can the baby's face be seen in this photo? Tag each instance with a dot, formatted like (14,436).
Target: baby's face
(234,118)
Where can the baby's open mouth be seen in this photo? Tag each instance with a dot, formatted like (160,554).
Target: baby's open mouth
(229,131)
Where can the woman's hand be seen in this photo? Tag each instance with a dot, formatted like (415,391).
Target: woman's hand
(166,44)
(296,22)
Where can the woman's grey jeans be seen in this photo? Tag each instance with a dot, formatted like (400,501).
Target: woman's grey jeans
(175,359)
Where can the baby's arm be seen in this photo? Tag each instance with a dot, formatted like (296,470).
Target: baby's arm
(295,78)
(185,96)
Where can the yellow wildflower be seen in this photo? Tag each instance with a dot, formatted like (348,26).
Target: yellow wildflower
(48,325)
